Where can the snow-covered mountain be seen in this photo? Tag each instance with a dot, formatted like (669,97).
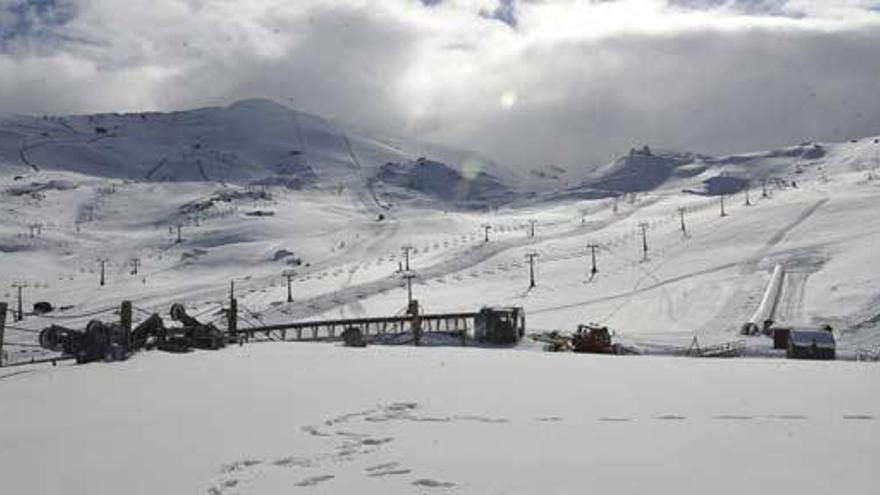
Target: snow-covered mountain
(176,206)
(249,142)
(643,170)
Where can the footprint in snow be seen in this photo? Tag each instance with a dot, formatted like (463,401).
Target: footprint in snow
(315,480)
(222,487)
(311,430)
(481,419)
(376,441)
(429,483)
(292,462)
(390,472)
(240,465)
(549,419)
(382,467)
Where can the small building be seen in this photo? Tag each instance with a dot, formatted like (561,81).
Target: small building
(810,344)
(780,337)
(500,325)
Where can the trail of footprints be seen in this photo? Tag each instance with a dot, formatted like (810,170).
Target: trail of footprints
(350,446)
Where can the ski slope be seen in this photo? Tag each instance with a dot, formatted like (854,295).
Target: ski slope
(284,417)
(705,282)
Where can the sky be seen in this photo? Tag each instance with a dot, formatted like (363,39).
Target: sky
(529,83)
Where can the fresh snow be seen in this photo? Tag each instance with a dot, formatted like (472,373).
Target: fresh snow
(285,417)
(318,418)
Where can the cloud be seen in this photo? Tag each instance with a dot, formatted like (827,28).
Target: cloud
(567,82)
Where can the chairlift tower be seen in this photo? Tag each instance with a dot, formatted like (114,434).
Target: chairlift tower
(407,248)
(643,226)
(593,269)
(289,274)
(531,257)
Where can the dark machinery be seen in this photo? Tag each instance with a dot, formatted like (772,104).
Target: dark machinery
(500,325)
(99,341)
(147,334)
(353,337)
(192,334)
(591,338)
(111,342)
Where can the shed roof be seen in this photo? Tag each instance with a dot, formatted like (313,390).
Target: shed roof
(806,338)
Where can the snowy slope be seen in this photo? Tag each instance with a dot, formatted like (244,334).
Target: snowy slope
(282,417)
(706,283)
(252,141)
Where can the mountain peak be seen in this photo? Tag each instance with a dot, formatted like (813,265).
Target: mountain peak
(259,104)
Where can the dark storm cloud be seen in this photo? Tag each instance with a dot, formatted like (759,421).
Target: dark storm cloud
(574,84)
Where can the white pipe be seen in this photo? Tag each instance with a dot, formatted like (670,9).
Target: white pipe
(767,308)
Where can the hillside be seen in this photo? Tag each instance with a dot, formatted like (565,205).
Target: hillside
(335,208)
(257,142)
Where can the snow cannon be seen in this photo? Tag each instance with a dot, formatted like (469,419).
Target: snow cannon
(148,334)
(98,342)
(193,334)
(59,339)
(178,313)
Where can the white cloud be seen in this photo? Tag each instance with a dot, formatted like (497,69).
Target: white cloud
(574,83)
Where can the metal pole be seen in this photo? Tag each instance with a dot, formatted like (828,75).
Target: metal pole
(644,227)
(593,269)
(232,322)
(723,213)
(3,307)
(102,272)
(406,249)
(125,318)
(531,257)
(289,274)
(681,210)
(531,272)
(20,315)
(486,228)
(748,200)
(532,228)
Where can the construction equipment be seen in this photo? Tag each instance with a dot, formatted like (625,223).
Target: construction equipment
(502,326)
(193,334)
(99,341)
(111,342)
(593,339)
(147,334)
(590,338)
